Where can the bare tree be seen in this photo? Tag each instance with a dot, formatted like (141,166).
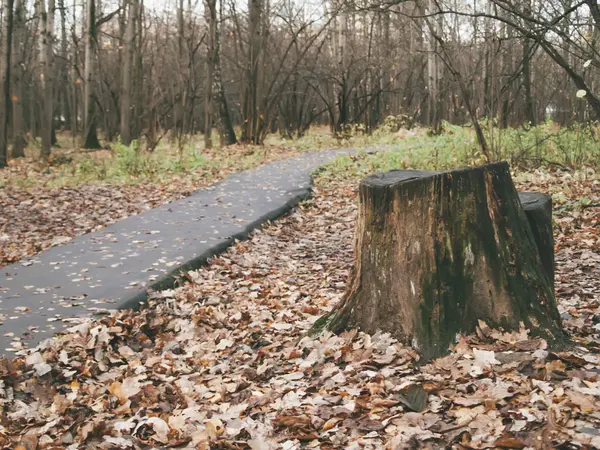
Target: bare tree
(64,106)
(4,114)
(251,118)
(210,16)
(286,66)
(18,74)
(215,91)
(127,87)
(47,75)
(433,29)
(450,65)
(91,40)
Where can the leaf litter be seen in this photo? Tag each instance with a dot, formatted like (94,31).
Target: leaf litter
(41,215)
(225,360)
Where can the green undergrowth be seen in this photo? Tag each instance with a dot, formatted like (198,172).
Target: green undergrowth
(544,146)
(131,164)
(321,138)
(121,164)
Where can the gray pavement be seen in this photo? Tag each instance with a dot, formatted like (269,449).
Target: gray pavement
(114,268)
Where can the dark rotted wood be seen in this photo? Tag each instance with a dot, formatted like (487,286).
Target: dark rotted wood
(437,252)
(538,209)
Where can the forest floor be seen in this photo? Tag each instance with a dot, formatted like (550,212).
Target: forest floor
(44,206)
(224,361)
(80,191)
(83,191)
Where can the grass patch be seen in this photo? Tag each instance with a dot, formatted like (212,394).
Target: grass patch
(539,147)
(545,145)
(120,164)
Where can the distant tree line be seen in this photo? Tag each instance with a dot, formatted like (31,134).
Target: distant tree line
(106,70)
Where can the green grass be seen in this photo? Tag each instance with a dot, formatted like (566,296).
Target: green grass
(131,164)
(544,146)
(120,164)
(548,144)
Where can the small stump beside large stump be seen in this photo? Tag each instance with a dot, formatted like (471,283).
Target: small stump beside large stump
(437,252)
(538,209)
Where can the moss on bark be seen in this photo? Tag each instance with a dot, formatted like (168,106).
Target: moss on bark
(436,252)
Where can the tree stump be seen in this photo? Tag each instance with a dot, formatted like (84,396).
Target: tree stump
(436,252)
(538,209)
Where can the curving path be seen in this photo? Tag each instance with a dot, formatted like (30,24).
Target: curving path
(114,268)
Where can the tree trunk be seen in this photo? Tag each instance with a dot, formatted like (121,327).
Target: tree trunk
(18,126)
(437,252)
(433,71)
(340,89)
(181,103)
(215,92)
(89,128)
(64,108)
(127,86)
(507,92)
(138,87)
(441,46)
(75,81)
(210,15)
(530,115)
(47,76)
(250,102)
(7,47)
(262,90)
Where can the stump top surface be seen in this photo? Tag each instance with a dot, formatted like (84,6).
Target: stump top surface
(533,198)
(396,176)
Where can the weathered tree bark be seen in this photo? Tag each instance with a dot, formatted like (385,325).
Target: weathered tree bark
(210,15)
(89,128)
(140,70)
(64,106)
(8,30)
(222,119)
(18,125)
(181,101)
(250,98)
(73,64)
(436,252)
(47,76)
(433,73)
(127,86)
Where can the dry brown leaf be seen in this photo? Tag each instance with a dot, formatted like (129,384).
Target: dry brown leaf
(509,442)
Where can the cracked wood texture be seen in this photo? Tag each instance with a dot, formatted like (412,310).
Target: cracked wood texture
(436,252)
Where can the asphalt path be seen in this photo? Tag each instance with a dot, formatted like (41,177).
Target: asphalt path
(114,268)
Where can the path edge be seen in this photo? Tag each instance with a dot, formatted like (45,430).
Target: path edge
(172,278)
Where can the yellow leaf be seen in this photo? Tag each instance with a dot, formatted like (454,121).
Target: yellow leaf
(214,428)
(330,424)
